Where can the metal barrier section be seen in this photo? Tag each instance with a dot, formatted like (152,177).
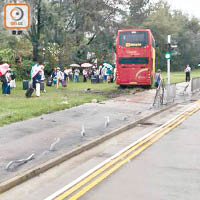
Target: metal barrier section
(195,84)
(170,92)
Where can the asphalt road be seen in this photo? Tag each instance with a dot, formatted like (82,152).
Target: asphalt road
(35,136)
(166,170)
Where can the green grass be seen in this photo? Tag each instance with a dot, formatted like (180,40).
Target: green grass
(177,77)
(16,107)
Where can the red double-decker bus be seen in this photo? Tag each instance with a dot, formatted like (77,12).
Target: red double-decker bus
(135,57)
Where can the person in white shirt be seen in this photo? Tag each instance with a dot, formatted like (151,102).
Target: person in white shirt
(60,77)
(42,78)
(85,75)
(187,73)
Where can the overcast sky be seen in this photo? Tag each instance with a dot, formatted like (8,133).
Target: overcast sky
(192,7)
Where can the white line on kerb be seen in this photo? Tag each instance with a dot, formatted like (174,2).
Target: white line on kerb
(65,188)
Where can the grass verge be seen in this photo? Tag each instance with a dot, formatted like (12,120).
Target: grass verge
(16,107)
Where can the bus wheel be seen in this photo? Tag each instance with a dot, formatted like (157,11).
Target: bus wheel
(121,86)
(149,86)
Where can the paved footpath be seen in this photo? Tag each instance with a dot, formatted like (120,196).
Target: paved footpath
(20,140)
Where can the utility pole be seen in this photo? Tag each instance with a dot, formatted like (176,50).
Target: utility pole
(168,56)
(168,60)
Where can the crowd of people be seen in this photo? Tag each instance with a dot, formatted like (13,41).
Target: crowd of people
(57,78)
(73,74)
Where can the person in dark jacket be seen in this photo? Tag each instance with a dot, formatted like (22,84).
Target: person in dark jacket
(36,83)
(5,79)
(54,76)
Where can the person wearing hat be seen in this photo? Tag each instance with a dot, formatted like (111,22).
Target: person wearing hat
(158,78)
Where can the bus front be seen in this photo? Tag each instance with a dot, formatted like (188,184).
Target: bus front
(135,57)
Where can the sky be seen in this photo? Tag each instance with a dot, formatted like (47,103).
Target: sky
(191,7)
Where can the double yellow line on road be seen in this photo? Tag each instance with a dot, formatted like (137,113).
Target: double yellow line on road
(78,190)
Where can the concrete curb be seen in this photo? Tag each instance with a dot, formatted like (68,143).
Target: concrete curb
(7,185)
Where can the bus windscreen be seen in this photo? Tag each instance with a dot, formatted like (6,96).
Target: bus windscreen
(133,39)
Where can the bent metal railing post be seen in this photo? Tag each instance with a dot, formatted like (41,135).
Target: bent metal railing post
(20,162)
(195,84)
(170,92)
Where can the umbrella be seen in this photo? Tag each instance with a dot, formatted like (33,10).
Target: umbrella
(4,68)
(74,65)
(35,69)
(107,65)
(86,65)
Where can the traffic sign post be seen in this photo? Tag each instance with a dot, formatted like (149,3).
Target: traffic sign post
(168,71)
(168,56)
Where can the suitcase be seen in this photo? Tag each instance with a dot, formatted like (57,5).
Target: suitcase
(49,82)
(94,79)
(64,83)
(29,92)
(25,84)
(42,86)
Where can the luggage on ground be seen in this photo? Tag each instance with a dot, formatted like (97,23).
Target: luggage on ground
(94,79)
(42,86)
(49,82)
(29,92)
(64,83)
(25,84)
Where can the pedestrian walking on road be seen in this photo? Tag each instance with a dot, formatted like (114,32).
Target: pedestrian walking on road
(187,73)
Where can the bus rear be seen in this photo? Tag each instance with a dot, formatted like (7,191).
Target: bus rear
(135,54)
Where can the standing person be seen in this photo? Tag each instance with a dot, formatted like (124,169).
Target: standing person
(187,73)
(66,74)
(76,75)
(36,73)
(12,82)
(85,75)
(70,72)
(54,76)
(60,77)
(158,78)
(36,83)
(42,78)
(109,74)
(5,79)
(104,73)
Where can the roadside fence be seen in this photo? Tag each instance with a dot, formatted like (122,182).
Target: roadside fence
(170,92)
(195,84)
